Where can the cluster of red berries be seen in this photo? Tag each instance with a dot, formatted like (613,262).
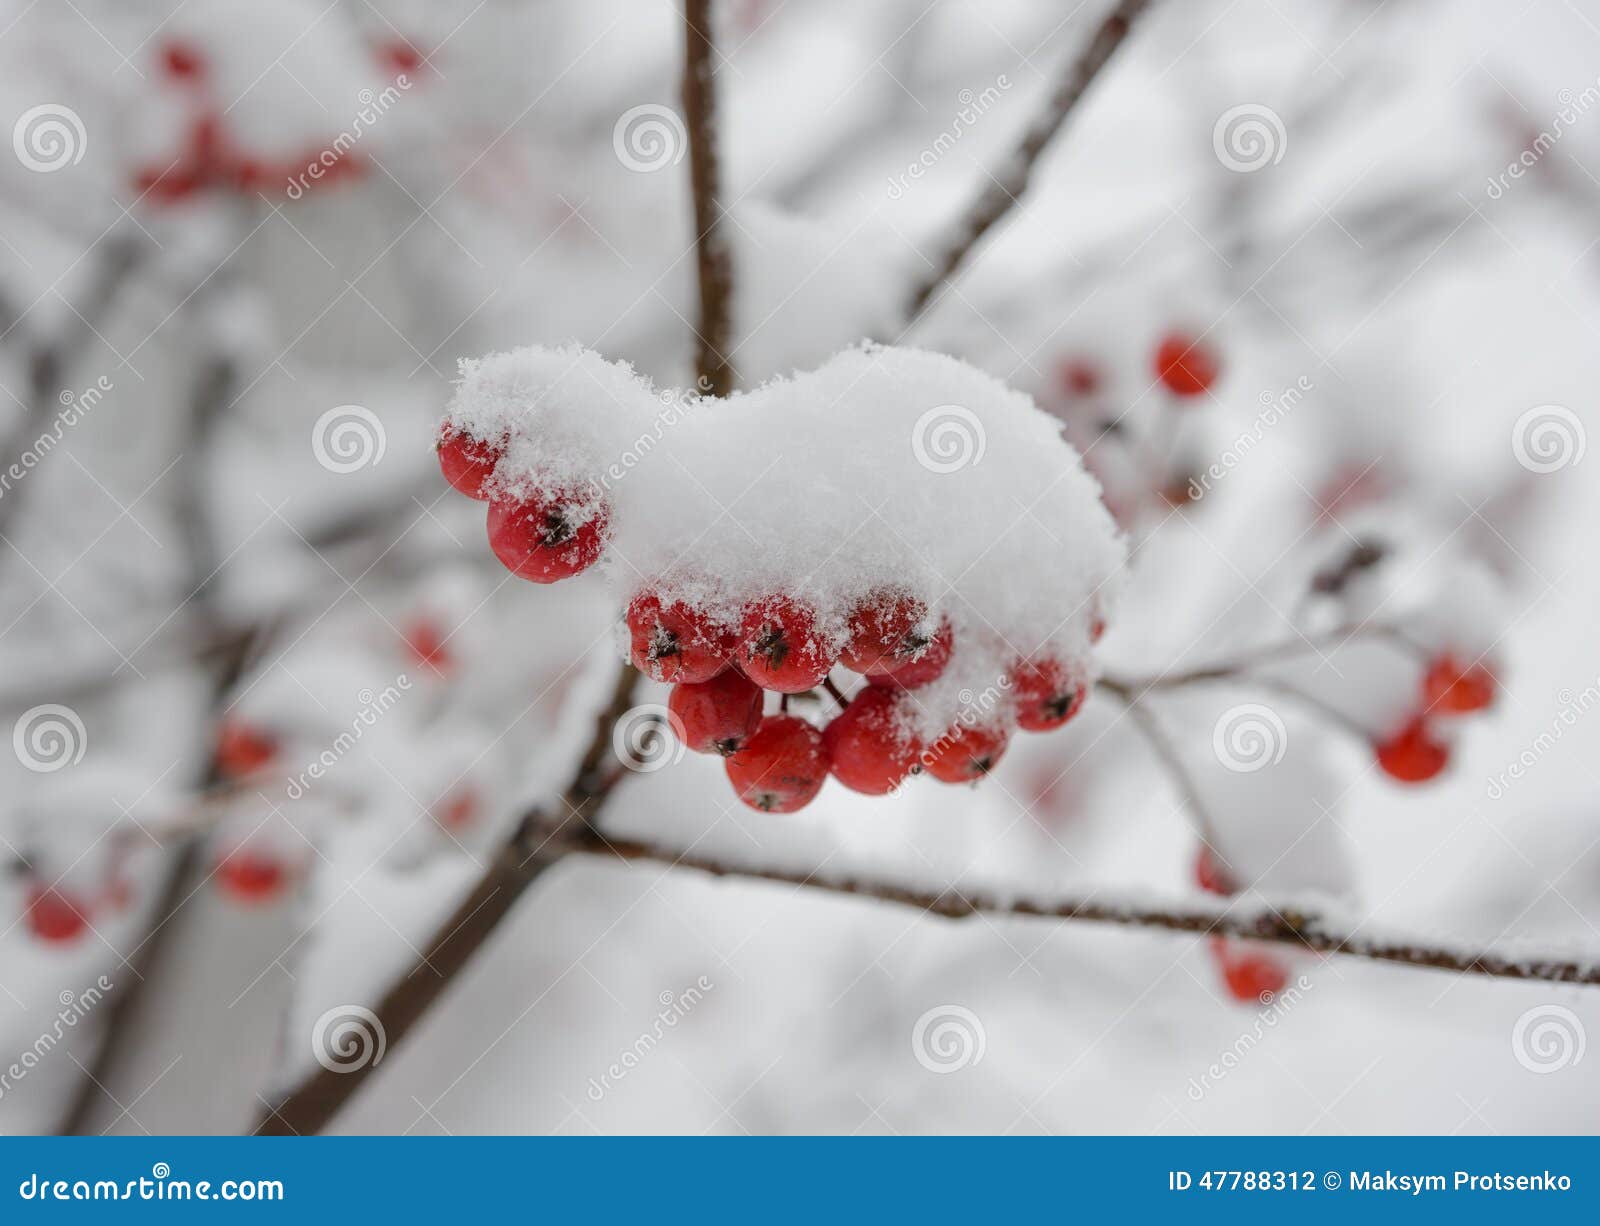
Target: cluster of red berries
(778,762)
(720,668)
(1252,974)
(1415,753)
(209,159)
(543,537)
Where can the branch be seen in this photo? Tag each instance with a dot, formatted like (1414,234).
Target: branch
(1288,925)
(521,859)
(1010,179)
(211,394)
(50,360)
(713,260)
(540,840)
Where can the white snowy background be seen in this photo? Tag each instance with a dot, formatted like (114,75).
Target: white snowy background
(1376,257)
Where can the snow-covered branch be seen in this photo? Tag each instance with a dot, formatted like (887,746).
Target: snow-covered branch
(1284,923)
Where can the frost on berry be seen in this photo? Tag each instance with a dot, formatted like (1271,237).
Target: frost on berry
(871,745)
(814,515)
(674,641)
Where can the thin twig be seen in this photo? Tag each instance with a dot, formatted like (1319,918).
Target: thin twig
(1009,180)
(1288,924)
(51,360)
(1238,666)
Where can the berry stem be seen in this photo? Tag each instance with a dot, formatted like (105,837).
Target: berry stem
(833,693)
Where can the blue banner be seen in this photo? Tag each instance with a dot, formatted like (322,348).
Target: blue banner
(799,1180)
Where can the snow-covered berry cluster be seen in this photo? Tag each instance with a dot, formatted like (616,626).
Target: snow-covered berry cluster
(895,514)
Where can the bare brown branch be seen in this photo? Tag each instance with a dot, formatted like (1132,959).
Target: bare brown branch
(712,257)
(1009,179)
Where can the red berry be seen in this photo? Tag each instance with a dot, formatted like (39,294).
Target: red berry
(1252,976)
(54,915)
(965,753)
(716,716)
(467,463)
(781,768)
(243,750)
(1449,687)
(673,641)
(251,876)
(1186,364)
(869,747)
(425,641)
(1047,695)
(1097,629)
(1212,877)
(781,648)
(921,658)
(459,811)
(1412,755)
(547,538)
(881,624)
(400,55)
(182,60)
(1079,377)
